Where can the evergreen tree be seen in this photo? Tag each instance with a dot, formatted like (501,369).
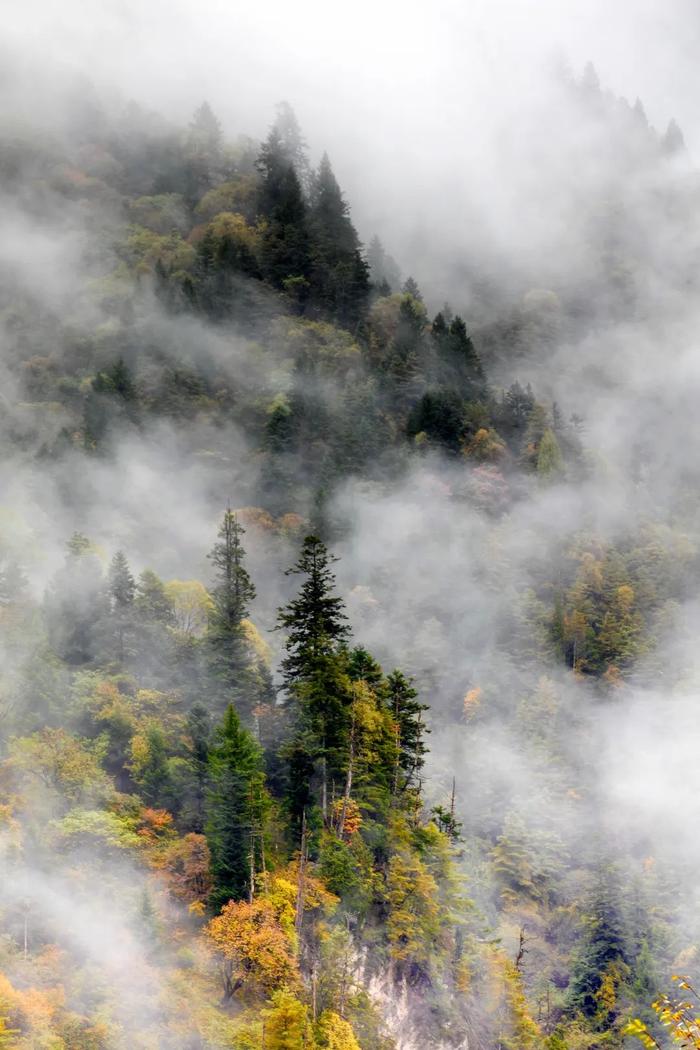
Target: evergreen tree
(122,587)
(154,776)
(411,288)
(384,273)
(458,363)
(286,251)
(77,603)
(316,630)
(314,621)
(440,415)
(601,966)
(339,277)
(673,142)
(236,809)
(198,748)
(204,155)
(116,380)
(410,730)
(231,594)
(112,400)
(122,591)
(405,364)
(151,600)
(292,144)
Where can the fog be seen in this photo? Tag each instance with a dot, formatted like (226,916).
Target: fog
(456,138)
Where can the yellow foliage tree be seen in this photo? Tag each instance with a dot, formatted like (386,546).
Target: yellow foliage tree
(286,1024)
(253,946)
(678,1014)
(191,604)
(335,1034)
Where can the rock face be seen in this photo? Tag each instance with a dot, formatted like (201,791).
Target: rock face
(407,1015)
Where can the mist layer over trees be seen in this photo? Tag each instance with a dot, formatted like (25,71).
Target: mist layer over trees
(348,695)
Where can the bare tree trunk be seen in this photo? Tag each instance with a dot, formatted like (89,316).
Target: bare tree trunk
(299,916)
(348,779)
(324,785)
(251,891)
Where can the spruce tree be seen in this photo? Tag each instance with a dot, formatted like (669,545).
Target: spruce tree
(458,362)
(410,729)
(286,252)
(122,591)
(602,954)
(155,778)
(339,278)
(122,587)
(405,364)
(235,811)
(314,621)
(198,747)
(77,603)
(292,144)
(151,600)
(230,657)
(316,631)
(204,154)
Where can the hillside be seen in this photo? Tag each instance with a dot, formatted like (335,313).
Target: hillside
(348,634)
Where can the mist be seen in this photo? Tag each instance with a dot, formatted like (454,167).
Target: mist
(558,216)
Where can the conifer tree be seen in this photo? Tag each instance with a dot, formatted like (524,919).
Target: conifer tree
(339,278)
(286,252)
(384,272)
(151,600)
(198,747)
(601,966)
(314,621)
(204,157)
(316,630)
(405,363)
(122,587)
(154,776)
(232,593)
(292,142)
(458,364)
(236,810)
(77,603)
(410,287)
(122,591)
(409,727)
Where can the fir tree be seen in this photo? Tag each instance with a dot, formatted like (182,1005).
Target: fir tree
(235,807)
(286,251)
(122,591)
(122,587)
(314,621)
(339,279)
(410,730)
(602,956)
(231,595)
(77,604)
(316,629)
(411,288)
(292,144)
(151,600)
(198,746)
(154,776)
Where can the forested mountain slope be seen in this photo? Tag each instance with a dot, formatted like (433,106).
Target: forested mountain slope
(348,664)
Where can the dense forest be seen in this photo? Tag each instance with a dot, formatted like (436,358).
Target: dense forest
(348,635)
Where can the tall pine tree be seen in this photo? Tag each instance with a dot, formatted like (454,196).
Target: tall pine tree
(236,811)
(340,276)
(230,656)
